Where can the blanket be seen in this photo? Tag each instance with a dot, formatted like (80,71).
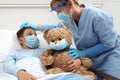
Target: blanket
(34,66)
(59,76)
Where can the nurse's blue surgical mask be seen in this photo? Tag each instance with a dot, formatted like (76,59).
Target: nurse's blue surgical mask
(61,15)
(65,17)
(60,45)
(32,41)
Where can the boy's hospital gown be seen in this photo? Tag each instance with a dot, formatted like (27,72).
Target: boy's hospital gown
(29,61)
(15,59)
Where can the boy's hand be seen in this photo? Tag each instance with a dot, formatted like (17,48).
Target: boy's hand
(22,75)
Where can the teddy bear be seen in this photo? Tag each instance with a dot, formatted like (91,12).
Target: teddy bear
(55,58)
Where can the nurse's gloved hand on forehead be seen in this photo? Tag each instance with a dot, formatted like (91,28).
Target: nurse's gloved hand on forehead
(36,27)
(27,24)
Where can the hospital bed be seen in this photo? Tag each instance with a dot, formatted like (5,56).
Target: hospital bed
(8,42)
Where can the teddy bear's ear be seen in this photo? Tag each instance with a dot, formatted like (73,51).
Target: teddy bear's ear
(46,33)
(67,30)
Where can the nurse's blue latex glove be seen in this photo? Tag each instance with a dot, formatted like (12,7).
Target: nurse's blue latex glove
(76,53)
(26,24)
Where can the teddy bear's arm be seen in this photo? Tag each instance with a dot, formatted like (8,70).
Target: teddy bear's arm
(47,58)
(87,62)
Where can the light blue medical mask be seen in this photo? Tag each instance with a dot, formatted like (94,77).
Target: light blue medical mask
(65,17)
(32,41)
(60,45)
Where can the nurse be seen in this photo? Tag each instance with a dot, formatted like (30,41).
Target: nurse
(93,34)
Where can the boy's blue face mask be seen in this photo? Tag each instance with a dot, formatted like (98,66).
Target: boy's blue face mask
(32,41)
(60,45)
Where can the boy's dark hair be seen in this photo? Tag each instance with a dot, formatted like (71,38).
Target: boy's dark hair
(21,31)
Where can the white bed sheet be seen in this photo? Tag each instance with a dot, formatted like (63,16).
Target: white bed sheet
(5,76)
(37,70)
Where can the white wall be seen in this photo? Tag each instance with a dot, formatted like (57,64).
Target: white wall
(12,17)
(15,12)
(24,2)
(113,6)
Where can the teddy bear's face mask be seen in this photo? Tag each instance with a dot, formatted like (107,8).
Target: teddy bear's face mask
(59,45)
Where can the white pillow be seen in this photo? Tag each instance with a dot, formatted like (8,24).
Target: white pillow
(43,43)
(8,42)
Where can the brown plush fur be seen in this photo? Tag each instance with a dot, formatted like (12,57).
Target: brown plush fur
(55,61)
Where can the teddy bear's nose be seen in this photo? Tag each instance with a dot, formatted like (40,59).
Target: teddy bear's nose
(55,42)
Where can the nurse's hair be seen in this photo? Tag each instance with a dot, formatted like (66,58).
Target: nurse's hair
(53,2)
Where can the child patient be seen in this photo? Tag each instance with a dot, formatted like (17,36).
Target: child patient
(25,63)
(17,61)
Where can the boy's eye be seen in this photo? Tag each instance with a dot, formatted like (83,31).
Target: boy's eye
(30,34)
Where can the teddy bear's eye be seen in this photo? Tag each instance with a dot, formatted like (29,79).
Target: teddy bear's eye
(60,39)
(52,40)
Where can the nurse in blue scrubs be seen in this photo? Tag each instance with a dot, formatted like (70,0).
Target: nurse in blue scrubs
(93,33)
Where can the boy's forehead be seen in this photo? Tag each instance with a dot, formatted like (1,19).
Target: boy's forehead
(29,30)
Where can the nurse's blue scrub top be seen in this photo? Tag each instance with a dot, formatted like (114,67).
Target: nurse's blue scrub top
(96,26)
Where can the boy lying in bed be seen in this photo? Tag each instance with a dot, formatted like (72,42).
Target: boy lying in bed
(25,63)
